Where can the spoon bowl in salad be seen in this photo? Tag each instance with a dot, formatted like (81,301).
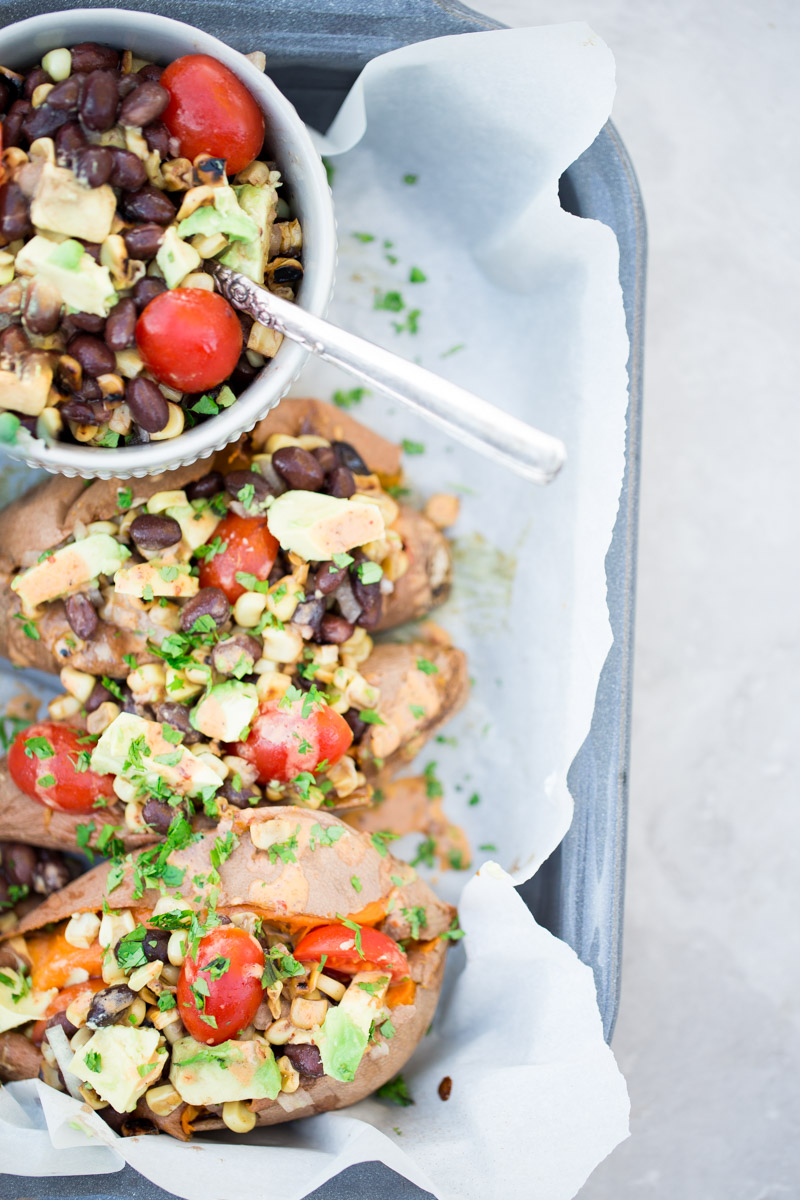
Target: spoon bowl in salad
(158,398)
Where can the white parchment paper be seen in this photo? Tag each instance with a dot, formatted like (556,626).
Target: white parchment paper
(521,303)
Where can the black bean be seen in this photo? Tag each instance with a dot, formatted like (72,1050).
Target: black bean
(89,56)
(87,322)
(340,483)
(68,138)
(5,893)
(120,331)
(109,1004)
(51,874)
(369,597)
(93,250)
(147,404)
(238,797)
(145,291)
(82,616)
(144,105)
(99,101)
(349,457)
(155,942)
(209,602)
(359,727)
(177,715)
(128,171)
(19,863)
(205,487)
(305,1058)
(138,436)
(150,71)
(93,355)
(235,481)
(157,137)
(12,125)
(335,629)
(299,468)
(148,204)
(242,375)
(310,612)
(326,457)
(94,165)
(33,79)
(14,341)
(14,217)
(98,695)
(236,653)
(66,95)
(61,1020)
(128,84)
(86,405)
(152,532)
(328,578)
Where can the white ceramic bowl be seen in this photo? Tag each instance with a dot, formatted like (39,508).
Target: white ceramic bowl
(163,40)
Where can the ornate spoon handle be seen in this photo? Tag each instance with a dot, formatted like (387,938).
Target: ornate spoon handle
(480,425)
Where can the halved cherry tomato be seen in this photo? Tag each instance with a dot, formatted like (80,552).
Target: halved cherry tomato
(249,547)
(44,762)
(338,942)
(219,990)
(62,1001)
(282,742)
(189,338)
(211,111)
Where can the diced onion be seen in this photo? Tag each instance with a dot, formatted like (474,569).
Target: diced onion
(64,1056)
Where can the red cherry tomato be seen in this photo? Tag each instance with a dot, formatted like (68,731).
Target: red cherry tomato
(47,770)
(219,990)
(282,742)
(249,547)
(211,111)
(338,942)
(189,338)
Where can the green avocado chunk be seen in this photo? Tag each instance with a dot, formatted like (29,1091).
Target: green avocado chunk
(342,1044)
(250,256)
(226,710)
(223,216)
(234,1070)
(69,569)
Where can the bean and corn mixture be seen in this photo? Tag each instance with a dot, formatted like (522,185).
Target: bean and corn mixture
(252,693)
(105,228)
(28,874)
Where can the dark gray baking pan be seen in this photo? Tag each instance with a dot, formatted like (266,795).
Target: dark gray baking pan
(315,49)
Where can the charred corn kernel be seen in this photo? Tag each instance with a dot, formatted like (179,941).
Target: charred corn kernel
(264,340)
(356,649)
(91,1097)
(355,688)
(331,987)
(148,995)
(195,198)
(160,501)
(284,597)
(112,972)
(49,424)
(257,173)
(162,1100)
(84,1034)
(167,616)
(120,420)
(124,789)
(6,268)
(282,645)
(101,527)
(136,143)
(178,174)
(171,974)
(58,64)
(162,1019)
(344,776)
(77,683)
(286,238)
(148,683)
(174,425)
(276,791)
(279,1032)
(247,921)
(133,817)
(171,904)
(263,666)
(308,1014)
(173,1032)
(78,1010)
(442,509)
(129,364)
(248,609)
(178,686)
(396,565)
(113,926)
(290,1076)
(201,673)
(255,360)
(273,994)
(212,761)
(137,1011)
(277,441)
(64,707)
(272,686)
(176,947)
(238,1117)
(240,766)
(102,716)
(384,502)
(82,929)
(8,922)
(152,165)
(40,94)
(111,384)
(142,976)
(207,245)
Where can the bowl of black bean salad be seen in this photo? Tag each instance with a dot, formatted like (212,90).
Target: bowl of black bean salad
(136,150)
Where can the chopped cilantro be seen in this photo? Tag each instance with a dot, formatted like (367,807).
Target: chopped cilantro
(356,929)
(454,932)
(417,276)
(223,848)
(355,883)
(375,986)
(280,964)
(285,851)
(452,350)
(93,1060)
(433,786)
(388,1029)
(396,1091)
(391,301)
(412,447)
(416,918)
(411,323)
(417,712)
(380,838)
(169,573)
(319,836)
(343,559)
(112,686)
(410,179)
(427,667)
(364,237)
(38,746)
(217,546)
(28,627)
(147,593)
(348,399)
(474,799)
(425,853)
(206,405)
(166,1001)
(489,847)
(370,716)
(46,781)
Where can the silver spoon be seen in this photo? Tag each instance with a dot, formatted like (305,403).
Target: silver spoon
(475,422)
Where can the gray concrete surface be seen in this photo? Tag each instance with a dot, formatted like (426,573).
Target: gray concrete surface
(709,1032)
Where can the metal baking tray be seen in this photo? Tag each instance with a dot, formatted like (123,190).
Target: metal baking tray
(315,50)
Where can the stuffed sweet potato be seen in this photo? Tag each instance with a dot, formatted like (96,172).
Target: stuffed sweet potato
(285,966)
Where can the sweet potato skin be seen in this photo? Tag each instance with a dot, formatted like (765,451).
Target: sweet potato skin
(426,583)
(19,1058)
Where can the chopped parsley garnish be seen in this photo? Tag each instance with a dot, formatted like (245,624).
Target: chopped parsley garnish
(387,1029)
(285,851)
(376,986)
(355,883)
(207,405)
(370,716)
(454,932)
(147,593)
(425,853)
(324,837)
(412,447)
(417,712)
(28,627)
(130,661)
(46,781)
(427,667)
(124,498)
(348,399)
(218,967)
(396,1091)
(130,950)
(170,734)
(433,786)
(456,859)
(356,929)
(380,839)
(223,848)
(280,964)
(109,438)
(415,275)
(364,237)
(452,350)
(112,686)
(217,546)
(416,918)
(251,582)
(410,179)
(391,301)
(489,847)
(411,323)
(166,1001)
(474,799)
(246,495)
(169,573)
(38,746)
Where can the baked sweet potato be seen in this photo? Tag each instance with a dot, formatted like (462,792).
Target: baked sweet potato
(288,871)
